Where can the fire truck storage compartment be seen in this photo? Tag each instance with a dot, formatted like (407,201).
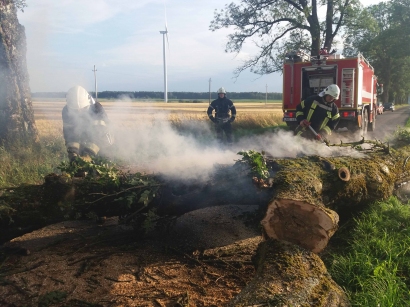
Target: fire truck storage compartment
(316,79)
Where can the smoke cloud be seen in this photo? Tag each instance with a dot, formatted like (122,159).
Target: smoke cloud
(149,142)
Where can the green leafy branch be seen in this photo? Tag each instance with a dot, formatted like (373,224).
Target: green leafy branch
(257,163)
(99,170)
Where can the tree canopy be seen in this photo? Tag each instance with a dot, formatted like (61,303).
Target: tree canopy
(277,26)
(20,4)
(381,34)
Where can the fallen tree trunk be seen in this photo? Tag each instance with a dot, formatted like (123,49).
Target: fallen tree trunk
(305,196)
(287,275)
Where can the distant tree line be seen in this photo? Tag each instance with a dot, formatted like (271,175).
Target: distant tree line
(171,95)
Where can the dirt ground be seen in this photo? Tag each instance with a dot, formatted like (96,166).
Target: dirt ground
(81,263)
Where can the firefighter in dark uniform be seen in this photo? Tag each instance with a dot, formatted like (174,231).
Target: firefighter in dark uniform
(225,114)
(320,112)
(85,126)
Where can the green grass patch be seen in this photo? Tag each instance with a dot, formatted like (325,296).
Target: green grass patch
(29,165)
(373,265)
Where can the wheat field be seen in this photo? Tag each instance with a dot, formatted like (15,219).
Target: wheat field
(127,114)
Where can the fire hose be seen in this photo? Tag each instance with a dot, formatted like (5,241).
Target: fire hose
(318,136)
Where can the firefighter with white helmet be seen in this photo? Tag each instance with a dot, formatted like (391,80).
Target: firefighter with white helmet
(319,112)
(85,125)
(225,114)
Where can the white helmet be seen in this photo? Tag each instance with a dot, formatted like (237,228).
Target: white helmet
(332,90)
(78,98)
(221,91)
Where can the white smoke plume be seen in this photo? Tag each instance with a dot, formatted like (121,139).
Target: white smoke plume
(150,143)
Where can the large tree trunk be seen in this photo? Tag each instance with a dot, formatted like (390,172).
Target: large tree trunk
(287,275)
(16,113)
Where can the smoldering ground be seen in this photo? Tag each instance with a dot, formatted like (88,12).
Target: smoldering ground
(188,149)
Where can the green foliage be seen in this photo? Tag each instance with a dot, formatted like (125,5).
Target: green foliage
(374,266)
(257,163)
(20,4)
(99,170)
(22,164)
(280,26)
(379,34)
(402,137)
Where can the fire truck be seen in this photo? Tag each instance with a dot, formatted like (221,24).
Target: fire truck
(305,75)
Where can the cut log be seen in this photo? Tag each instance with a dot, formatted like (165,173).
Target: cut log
(310,193)
(288,275)
(301,223)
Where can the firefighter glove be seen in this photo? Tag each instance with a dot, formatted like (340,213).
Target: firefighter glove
(304,123)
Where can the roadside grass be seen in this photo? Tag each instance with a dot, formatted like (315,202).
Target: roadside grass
(29,165)
(372,258)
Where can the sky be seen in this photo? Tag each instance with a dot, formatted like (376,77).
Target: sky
(66,38)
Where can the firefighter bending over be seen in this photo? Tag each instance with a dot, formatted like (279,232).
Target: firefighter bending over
(85,126)
(225,113)
(320,112)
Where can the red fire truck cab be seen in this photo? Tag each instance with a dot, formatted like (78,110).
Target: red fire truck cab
(304,76)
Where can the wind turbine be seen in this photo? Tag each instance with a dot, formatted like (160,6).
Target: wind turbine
(165,34)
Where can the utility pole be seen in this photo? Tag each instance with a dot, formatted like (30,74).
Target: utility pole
(95,83)
(210,90)
(266,95)
(165,64)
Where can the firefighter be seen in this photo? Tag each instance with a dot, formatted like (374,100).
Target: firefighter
(225,114)
(319,112)
(85,126)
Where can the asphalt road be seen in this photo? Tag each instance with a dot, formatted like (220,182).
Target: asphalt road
(388,122)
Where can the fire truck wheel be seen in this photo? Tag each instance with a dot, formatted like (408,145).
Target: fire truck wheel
(372,125)
(365,122)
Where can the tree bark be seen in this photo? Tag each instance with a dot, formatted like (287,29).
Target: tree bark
(287,275)
(16,112)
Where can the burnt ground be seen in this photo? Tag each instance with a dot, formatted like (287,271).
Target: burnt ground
(203,260)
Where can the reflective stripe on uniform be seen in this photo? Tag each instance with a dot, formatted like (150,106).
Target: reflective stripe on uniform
(74,145)
(302,104)
(336,116)
(299,113)
(92,147)
(326,120)
(327,108)
(99,123)
(327,129)
(312,109)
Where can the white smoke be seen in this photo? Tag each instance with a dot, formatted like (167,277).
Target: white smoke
(148,141)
